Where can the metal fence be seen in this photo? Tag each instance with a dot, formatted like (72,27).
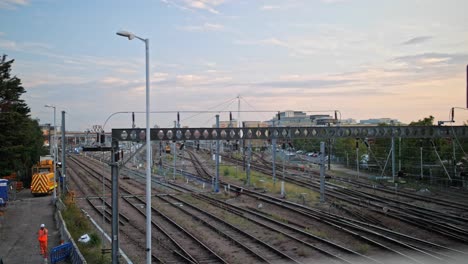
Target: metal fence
(75,256)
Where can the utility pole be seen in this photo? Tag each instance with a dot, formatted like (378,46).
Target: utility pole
(64,191)
(216,187)
(357,157)
(329,151)
(322,172)
(454,159)
(393,158)
(249,158)
(174,152)
(273,144)
(421,156)
(399,153)
(115,201)
(238,111)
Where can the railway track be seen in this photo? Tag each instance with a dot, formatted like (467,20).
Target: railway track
(253,240)
(169,248)
(261,251)
(420,251)
(297,238)
(452,226)
(434,256)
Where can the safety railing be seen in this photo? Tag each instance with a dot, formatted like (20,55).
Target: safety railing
(75,256)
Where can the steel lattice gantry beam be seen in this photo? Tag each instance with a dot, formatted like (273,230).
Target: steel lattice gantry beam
(179,134)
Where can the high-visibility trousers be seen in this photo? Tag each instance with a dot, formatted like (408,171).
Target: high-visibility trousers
(43,245)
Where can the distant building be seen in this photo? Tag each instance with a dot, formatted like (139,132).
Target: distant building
(348,121)
(255,124)
(226,124)
(47,130)
(376,121)
(233,123)
(300,119)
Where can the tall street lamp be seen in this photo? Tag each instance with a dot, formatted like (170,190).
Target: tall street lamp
(131,36)
(55,151)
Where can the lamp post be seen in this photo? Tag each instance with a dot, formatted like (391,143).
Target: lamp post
(131,36)
(55,152)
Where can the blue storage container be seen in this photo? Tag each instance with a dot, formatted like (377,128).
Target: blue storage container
(3,191)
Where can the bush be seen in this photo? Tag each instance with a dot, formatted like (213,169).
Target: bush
(78,224)
(95,240)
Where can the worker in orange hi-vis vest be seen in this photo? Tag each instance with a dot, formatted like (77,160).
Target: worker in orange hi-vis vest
(42,237)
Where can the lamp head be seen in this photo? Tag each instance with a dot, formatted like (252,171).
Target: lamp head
(49,105)
(126,34)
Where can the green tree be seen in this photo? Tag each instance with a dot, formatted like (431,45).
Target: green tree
(21,141)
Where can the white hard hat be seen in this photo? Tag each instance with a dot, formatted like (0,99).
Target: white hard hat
(42,225)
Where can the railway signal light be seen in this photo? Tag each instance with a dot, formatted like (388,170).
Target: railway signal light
(116,156)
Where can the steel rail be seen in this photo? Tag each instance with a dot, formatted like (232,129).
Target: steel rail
(77,162)
(186,232)
(393,212)
(429,218)
(242,212)
(287,204)
(224,233)
(416,249)
(176,252)
(216,203)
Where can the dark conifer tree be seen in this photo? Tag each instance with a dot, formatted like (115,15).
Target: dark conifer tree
(21,141)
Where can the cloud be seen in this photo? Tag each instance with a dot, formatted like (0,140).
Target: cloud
(205,5)
(160,76)
(294,46)
(202,80)
(269,7)
(304,84)
(12,4)
(30,47)
(432,59)
(417,40)
(332,1)
(205,27)
(46,78)
(114,81)
(8,44)
(323,40)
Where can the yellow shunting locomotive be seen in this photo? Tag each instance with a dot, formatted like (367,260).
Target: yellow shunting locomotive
(43,177)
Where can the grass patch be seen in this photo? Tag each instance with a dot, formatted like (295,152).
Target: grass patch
(231,172)
(279,218)
(262,181)
(318,233)
(77,225)
(237,221)
(362,248)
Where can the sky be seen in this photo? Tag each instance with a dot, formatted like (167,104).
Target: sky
(401,59)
